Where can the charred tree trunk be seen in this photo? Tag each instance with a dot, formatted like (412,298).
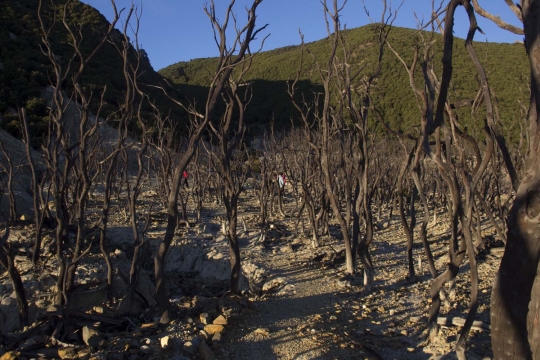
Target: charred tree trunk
(36,190)
(7,261)
(408,229)
(231,205)
(515,300)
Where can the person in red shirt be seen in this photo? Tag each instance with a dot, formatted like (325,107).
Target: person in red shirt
(185,177)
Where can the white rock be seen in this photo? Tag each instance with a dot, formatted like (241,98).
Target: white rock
(165,342)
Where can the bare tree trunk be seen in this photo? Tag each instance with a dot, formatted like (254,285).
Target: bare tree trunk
(229,59)
(423,230)
(234,248)
(515,299)
(36,190)
(8,263)
(408,229)
(10,170)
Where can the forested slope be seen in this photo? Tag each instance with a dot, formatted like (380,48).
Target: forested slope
(506,66)
(25,70)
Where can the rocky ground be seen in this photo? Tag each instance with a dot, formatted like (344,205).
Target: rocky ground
(297,302)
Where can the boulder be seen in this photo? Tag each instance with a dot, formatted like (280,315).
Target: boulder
(204,317)
(254,277)
(9,314)
(216,337)
(262,331)
(10,355)
(190,348)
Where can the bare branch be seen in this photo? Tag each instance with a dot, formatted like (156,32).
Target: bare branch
(497,20)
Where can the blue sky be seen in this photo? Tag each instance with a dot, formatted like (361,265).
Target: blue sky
(179,30)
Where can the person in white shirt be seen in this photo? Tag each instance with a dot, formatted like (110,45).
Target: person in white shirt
(281,180)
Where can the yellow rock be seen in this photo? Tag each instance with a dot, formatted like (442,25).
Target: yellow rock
(67,353)
(213,328)
(220,320)
(10,355)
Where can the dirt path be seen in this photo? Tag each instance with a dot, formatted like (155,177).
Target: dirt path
(309,309)
(319,315)
(316,315)
(289,326)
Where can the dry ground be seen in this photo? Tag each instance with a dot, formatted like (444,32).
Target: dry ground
(324,315)
(309,309)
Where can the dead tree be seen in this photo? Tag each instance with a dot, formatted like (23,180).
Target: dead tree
(308,165)
(36,186)
(231,167)
(11,170)
(230,56)
(408,227)
(165,146)
(334,147)
(133,191)
(110,162)
(515,299)
(468,171)
(68,149)
(280,169)
(425,100)
(288,147)
(461,176)
(202,178)
(7,260)
(7,257)
(358,104)
(231,153)
(304,174)
(261,184)
(327,121)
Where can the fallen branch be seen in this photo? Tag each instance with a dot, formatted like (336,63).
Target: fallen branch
(36,328)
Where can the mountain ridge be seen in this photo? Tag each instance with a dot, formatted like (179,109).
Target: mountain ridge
(24,72)
(505,63)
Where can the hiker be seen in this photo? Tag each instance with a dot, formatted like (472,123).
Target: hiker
(281,180)
(185,177)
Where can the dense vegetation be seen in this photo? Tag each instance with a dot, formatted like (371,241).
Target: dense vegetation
(25,70)
(506,65)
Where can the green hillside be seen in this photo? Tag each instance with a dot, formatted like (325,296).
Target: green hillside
(25,70)
(505,64)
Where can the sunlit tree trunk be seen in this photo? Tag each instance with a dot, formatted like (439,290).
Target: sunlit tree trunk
(515,299)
